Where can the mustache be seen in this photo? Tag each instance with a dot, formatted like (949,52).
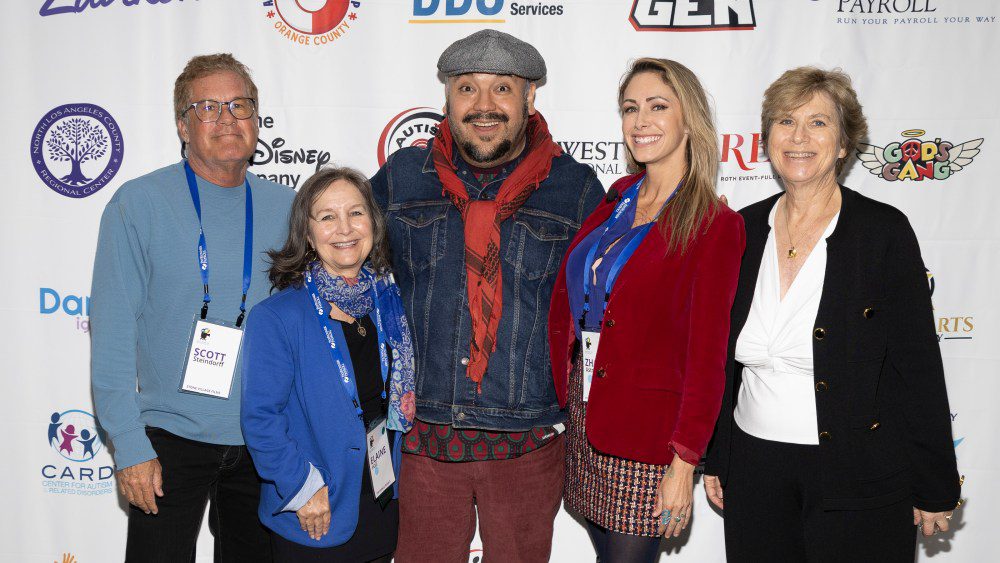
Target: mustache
(488,116)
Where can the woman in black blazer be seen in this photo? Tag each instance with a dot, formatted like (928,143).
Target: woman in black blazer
(834,439)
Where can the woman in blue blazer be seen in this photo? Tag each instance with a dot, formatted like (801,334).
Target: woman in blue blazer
(328,380)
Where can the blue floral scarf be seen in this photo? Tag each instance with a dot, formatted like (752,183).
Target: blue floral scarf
(356,298)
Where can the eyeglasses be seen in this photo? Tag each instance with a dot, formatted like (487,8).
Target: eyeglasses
(208,111)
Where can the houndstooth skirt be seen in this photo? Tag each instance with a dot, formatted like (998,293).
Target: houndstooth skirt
(615,493)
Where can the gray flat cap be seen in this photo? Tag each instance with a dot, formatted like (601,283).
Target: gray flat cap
(492,52)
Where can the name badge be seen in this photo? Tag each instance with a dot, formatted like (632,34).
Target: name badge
(590,342)
(213,351)
(379,460)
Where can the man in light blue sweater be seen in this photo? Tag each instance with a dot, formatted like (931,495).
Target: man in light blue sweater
(176,440)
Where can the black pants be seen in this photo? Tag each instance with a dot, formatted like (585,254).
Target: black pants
(195,473)
(774,512)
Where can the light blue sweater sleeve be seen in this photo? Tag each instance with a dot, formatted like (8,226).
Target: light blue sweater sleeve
(314,482)
(117,295)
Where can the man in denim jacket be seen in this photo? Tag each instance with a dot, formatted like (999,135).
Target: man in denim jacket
(478,222)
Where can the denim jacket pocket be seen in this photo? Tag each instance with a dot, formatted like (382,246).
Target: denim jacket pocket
(537,243)
(425,228)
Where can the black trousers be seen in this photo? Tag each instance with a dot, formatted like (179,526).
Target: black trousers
(773,512)
(196,474)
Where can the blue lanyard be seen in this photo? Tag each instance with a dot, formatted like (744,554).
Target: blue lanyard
(203,246)
(346,369)
(630,196)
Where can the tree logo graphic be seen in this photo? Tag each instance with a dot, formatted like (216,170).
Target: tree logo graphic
(77,149)
(77,140)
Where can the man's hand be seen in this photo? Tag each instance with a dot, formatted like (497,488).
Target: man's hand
(141,484)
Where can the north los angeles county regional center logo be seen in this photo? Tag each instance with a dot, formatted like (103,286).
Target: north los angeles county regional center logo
(917,160)
(414,127)
(312,22)
(75,436)
(77,149)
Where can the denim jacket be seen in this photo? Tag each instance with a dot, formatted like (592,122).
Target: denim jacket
(426,234)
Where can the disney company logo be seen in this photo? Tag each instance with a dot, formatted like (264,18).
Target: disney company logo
(76,149)
(278,151)
(312,22)
(916,159)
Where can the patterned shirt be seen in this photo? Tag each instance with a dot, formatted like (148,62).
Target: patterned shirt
(444,442)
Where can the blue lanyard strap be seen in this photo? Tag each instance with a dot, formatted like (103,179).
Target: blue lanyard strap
(203,246)
(629,198)
(345,370)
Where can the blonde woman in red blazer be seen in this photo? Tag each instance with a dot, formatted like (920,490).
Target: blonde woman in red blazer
(650,358)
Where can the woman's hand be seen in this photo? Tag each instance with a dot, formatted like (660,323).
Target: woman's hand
(713,490)
(673,498)
(314,516)
(928,521)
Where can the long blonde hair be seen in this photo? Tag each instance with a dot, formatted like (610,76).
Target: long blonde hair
(696,202)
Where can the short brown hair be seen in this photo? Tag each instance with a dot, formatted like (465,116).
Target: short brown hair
(288,264)
(202,66)
(797,86)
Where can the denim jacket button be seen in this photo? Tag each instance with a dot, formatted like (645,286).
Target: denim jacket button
(464,361)
(460,416)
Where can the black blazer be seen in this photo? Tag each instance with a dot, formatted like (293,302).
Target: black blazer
(881,402)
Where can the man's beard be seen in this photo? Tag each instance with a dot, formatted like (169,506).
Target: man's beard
(481,155)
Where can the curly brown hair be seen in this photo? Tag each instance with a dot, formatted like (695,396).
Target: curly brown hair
(289,263)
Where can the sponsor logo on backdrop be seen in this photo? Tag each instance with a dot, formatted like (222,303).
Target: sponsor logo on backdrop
(742,158)
(75,442)
(912,158)
(480,11)
(907,12)
(605,157)
(54,7)
(960,327)
(77,149)
(414,127)
(311,22)
(278,160)
(51,302)
(692,15)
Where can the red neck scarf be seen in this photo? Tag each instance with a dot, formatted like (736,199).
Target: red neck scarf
(482,230)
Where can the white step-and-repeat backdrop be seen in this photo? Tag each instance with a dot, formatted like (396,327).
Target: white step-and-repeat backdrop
(349,82)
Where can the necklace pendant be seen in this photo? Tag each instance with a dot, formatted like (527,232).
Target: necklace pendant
(361,329)
(792,253)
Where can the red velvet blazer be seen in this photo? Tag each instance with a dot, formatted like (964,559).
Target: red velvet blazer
(660,369)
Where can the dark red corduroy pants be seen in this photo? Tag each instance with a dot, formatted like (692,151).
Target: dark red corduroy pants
(516,499)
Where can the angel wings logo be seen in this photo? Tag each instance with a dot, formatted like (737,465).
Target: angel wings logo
(916,159)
